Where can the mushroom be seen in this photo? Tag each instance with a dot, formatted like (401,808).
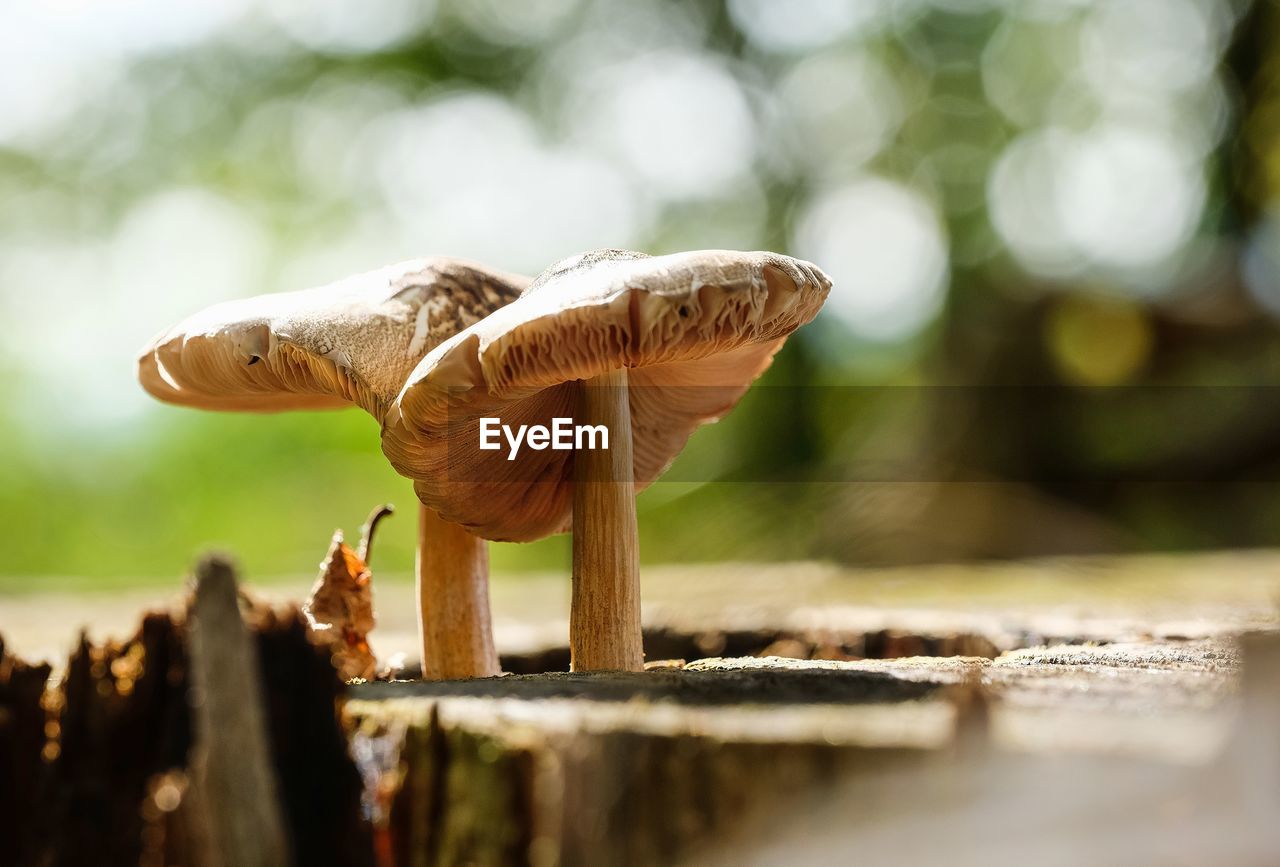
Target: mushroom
(649,347)
(351,342)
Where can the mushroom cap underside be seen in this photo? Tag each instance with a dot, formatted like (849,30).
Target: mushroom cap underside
(350,342)
(694,330)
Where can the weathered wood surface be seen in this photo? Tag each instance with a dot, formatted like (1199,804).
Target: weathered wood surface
(1141,597)
(1062,805)
(1133,690)
(653,767)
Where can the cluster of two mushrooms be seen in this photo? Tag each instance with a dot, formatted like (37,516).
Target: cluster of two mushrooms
(353,342)
(647,347)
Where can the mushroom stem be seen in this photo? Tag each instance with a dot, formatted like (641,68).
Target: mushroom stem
(604,618)
(453,601)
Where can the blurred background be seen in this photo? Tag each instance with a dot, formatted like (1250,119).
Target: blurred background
(1052,227)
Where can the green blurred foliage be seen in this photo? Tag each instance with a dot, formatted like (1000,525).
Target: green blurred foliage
(1010,196)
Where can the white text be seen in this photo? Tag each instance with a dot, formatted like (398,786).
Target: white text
(563,435)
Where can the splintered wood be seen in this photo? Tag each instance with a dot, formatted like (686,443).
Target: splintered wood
(210,737)
(234,778)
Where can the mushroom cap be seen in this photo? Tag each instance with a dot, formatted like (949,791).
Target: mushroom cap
(353,341)
(693,331)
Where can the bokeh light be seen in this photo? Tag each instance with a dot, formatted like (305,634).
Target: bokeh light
(338,26)
(1056,191)
(467,175)
(882,243)
(807,23)
(835,112)
(680,122)
(530,21)
(1111,198)
(1098,341)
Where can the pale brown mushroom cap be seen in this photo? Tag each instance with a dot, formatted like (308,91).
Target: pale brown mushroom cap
(353,341)
(694,331)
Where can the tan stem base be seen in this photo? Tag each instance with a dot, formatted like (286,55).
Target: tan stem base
(453,601)
(604,620)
